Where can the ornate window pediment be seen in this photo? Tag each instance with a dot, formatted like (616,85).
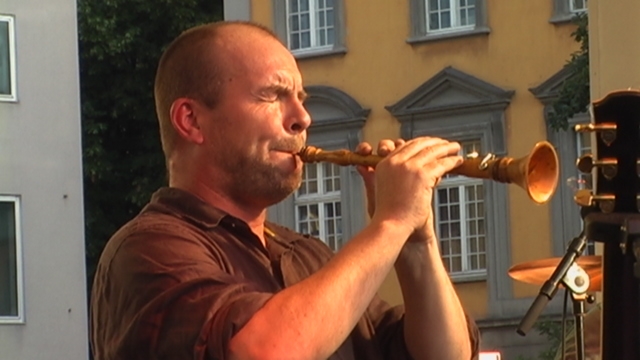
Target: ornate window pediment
(471,214)
(451,91)
(548,90)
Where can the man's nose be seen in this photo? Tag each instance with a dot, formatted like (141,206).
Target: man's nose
(298,119)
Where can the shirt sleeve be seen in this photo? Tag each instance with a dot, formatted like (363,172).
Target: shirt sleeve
(165,296)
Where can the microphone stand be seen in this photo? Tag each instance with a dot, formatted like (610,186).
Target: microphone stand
(576,280)
(550,287)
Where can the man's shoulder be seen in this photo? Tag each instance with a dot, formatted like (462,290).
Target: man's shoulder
(149,229)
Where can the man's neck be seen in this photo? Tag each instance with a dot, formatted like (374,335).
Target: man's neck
(254,217)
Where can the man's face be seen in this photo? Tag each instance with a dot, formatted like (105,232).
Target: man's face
(259,123)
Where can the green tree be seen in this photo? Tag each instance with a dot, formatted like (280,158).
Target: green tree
(574,95)
(120,43)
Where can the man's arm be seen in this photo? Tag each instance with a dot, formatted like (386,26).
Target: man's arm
(312,318)
(435,326)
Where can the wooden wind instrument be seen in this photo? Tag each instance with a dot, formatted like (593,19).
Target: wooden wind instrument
(537,172)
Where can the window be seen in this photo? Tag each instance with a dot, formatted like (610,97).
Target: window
(576,6)
(567,221)
(469,212)
(318,207)
(10,260)
(330,203)
(7,59)
(460,219)
(438,19)
(443,15)
(310,24)
(310,27)
(565,10)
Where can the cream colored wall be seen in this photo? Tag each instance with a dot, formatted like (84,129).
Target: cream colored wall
(614,48)
(380,67)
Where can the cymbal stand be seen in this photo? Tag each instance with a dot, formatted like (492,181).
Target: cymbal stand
(577,281)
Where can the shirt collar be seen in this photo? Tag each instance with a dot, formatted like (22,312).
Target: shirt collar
(186,205)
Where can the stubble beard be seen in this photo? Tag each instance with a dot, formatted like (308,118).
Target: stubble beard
(259,182)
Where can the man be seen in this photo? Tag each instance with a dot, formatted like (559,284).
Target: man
(200,274)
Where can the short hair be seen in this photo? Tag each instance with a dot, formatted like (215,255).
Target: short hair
(188,68)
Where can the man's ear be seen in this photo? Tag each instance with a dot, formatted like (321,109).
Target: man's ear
(185,120)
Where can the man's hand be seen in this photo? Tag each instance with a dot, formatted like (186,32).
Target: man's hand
(401,187)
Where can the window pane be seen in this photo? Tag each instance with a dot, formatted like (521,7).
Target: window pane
(8,266)
(454,195)
(302,212)
(434,22)
(455,229)
(330,18)
(304,5)
(305,24)
(444,231)
(442,196)
(445,20)
(305,39)
(294,42)
(5,65)
(293,23)
(444,247)
(471,210)
(313,186)
(473,262)
(471,15)
(443,213)
(293,5)
(456,264)
(330,37)
(328,210)
(455,212)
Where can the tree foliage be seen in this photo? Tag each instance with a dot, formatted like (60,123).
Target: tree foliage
(120,43)
(574,94)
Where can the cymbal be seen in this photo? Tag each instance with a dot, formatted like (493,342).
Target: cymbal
(538,271)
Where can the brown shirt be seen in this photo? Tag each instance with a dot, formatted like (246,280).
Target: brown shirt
(182,278)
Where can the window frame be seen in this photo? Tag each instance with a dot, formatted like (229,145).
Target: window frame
(421,113)
(321,198)
(461,182)
(563,12)
(19,318)
(12,96)
(419,24)
(454,9)
(281,28)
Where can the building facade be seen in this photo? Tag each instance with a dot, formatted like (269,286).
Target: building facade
(481,72)
(43,311)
